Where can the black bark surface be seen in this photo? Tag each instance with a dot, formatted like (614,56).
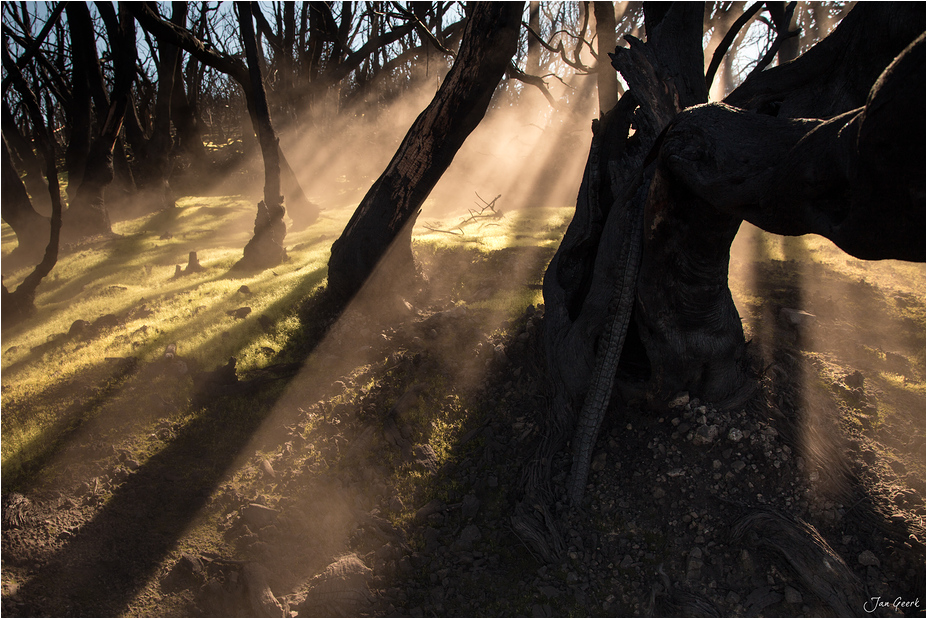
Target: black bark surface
(385,215)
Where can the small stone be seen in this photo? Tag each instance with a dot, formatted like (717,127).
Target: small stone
(598,463)
(432,507)
(735,435)
(680,400)
(268,469)
(855,380)
(469,536)
(239,313)
(868,558)
(792,596)
(432,537)
(425,458)
(499,355)
(738,465)
(470,507)
(257,516)
(705,434)
(659,493)
(77,328)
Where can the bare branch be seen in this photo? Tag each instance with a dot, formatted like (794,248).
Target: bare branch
(728,39)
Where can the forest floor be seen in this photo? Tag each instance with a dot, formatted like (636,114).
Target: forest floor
(369,464)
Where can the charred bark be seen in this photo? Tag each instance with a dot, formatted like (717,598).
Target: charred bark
(20,303)
(857,179)
(265,249)
(153,151)
(87,215)
(392,203)
(30,164)
(605,32)
(716,166)
(31,228)
(187,124)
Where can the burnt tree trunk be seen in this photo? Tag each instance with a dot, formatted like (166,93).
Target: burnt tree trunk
(21,148)
(80,109)
(153,151)
(187,124)
(19,304)
(385,215)
(31,228)
(605,33)
(857,179)
(265,249)
(87,215)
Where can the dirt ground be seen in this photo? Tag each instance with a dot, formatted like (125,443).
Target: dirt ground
(386,484)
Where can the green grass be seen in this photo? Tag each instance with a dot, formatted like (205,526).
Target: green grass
(48,376)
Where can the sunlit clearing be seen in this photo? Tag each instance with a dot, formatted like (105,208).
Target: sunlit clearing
(115,387)
(127,293)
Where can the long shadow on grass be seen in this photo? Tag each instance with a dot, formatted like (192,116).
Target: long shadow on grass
(104,566)
(108,561)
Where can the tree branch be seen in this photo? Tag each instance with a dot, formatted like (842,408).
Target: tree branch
(728,40)
(184,39)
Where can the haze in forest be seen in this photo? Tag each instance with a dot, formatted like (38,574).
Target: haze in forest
(458,309)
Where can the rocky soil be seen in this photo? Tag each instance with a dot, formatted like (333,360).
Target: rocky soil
(390,491)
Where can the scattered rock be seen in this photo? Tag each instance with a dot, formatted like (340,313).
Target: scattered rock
(854,380)
(256,516)
(470,507)
(705,434)
(868,558)
(268,469)
(263,602)
(78,327)
(680,400)
(424,458)
(341,590)
(469,536)
(239,313)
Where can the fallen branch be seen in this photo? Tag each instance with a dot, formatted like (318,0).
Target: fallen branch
(474,216)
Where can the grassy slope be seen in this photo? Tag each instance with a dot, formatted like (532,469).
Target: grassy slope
(58,397)
(47,375)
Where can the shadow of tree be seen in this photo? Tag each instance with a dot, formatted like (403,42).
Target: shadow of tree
(101,568)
